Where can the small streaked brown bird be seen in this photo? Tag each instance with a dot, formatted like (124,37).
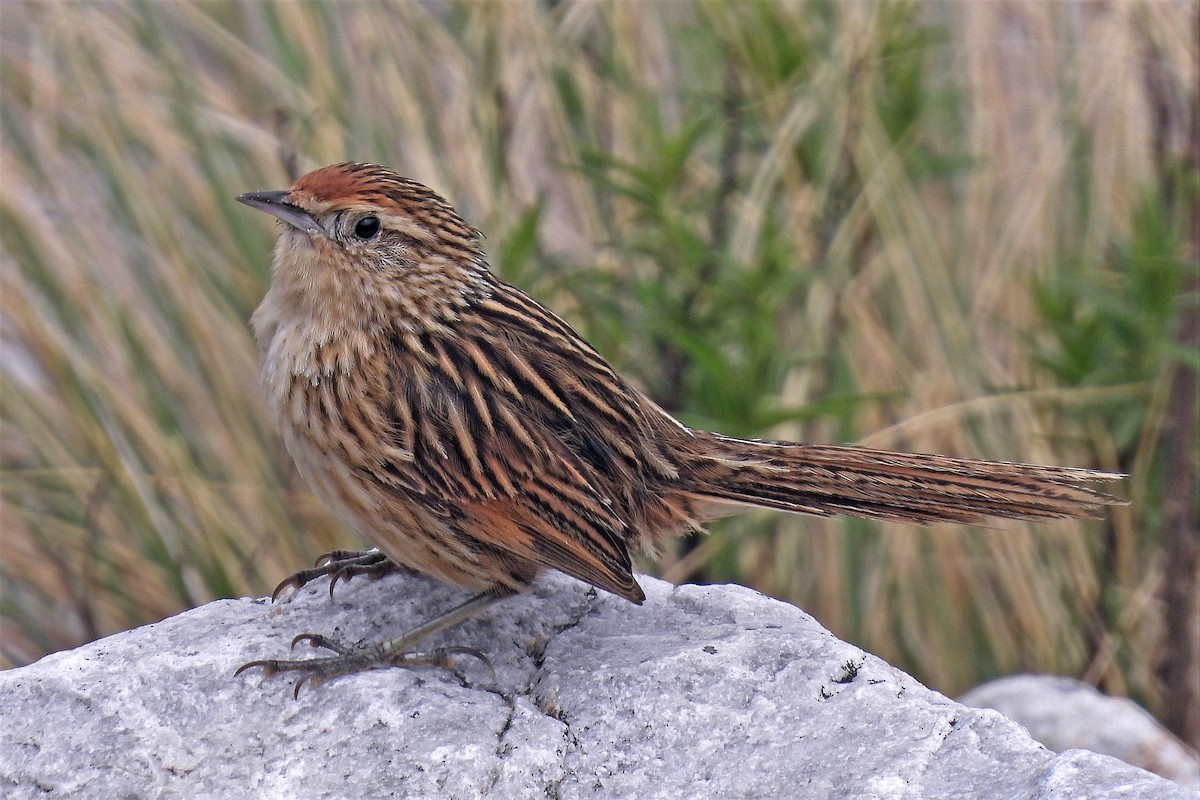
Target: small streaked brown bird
(470,434)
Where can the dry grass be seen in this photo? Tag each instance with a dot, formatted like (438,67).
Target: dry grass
(822,222)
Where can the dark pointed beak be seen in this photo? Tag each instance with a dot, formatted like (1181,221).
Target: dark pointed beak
(276,204)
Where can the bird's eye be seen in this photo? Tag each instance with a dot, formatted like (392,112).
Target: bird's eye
(366,228)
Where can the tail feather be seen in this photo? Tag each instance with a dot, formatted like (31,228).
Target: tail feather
(909,487)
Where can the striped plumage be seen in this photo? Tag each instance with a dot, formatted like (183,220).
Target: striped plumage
(471,434)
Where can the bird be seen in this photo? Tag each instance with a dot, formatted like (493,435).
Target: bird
(469,433)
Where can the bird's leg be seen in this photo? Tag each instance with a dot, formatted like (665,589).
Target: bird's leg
(341,565)
(394,652)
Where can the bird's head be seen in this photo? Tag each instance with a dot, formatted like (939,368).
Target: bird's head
(359,238)
(366,210)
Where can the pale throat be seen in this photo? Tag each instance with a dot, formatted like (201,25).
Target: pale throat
(326,311)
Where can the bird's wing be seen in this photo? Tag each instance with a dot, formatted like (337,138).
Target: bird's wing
(518,426)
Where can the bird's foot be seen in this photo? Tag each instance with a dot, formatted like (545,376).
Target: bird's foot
(340,565)
(349,660)
(395,652)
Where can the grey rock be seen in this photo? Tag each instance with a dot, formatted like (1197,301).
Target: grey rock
(702,692)
(1063,714)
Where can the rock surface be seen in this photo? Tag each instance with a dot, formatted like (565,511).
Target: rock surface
(1064,714)
(702,692)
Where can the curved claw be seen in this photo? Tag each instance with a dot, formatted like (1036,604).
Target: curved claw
(317,640)
(343,575)
(303,679)
(286,583)
(374,568)
(297,580)
(459,650)
(312,638)
(267,664)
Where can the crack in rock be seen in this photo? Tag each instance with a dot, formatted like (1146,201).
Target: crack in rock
(554,788)
(537,656)
(501,747)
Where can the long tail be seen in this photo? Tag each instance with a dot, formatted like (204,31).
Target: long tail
(909,487)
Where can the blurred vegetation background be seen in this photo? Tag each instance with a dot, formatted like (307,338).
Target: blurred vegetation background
(957,228)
